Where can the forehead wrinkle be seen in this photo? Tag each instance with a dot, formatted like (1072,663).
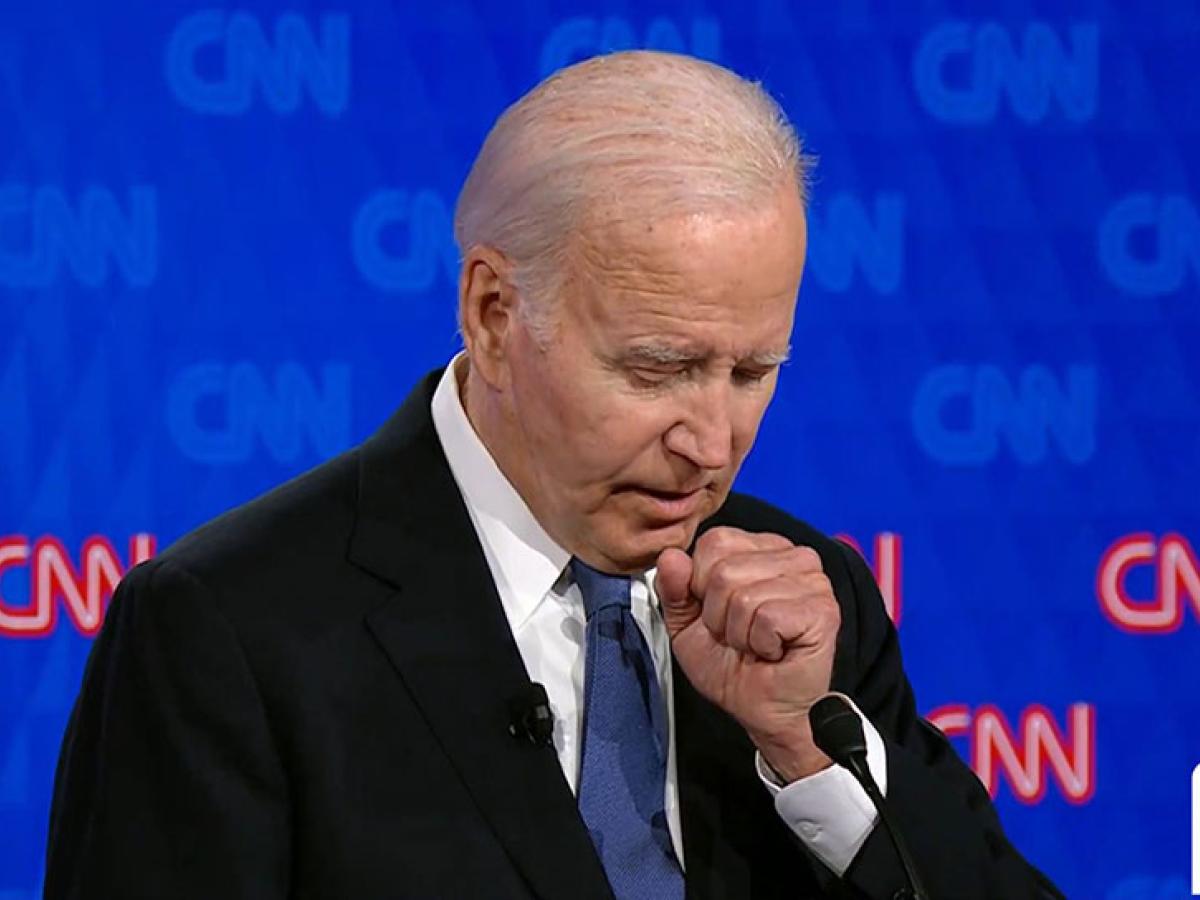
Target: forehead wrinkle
(633,271)
(648,255)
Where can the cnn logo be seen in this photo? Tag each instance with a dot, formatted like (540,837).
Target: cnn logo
(1169,563)
(53,577)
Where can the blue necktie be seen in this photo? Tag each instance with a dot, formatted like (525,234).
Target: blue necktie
(623,758)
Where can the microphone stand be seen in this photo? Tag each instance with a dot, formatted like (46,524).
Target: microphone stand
(838,732)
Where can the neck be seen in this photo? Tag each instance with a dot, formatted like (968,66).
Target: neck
(481,406)
(485,412)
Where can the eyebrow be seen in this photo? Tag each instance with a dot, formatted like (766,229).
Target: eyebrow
(667,355)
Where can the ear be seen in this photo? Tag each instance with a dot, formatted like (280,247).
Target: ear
(487,304)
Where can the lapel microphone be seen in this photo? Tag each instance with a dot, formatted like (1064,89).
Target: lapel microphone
(529,716)
(838,733)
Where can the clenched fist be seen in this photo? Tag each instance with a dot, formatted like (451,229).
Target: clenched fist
(753,624)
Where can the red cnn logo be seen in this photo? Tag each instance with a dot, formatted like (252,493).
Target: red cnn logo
(887,567)
(54,577)
(1026,754)
(1176,577)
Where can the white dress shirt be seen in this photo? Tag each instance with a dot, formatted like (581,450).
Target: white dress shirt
(828,811)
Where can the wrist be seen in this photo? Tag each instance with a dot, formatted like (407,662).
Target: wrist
(791,759)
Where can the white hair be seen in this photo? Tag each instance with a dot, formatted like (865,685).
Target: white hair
(641,133)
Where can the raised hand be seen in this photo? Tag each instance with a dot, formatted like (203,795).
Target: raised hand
(753,624)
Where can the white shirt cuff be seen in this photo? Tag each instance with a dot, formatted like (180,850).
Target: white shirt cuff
(829,811)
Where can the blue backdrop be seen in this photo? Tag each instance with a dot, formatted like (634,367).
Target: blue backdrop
(225,255)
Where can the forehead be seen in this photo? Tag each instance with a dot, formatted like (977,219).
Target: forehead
(716,281)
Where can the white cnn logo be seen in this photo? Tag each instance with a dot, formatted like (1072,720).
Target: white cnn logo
(1196,831)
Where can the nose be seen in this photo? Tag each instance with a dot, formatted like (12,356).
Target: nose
(704,433)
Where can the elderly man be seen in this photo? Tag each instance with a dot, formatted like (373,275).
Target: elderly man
(327,692)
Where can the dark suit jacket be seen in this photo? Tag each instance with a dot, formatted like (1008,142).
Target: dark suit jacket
(307,698)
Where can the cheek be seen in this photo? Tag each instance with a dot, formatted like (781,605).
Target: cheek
(550,413)
(604,440)
(628,432)
(571,430)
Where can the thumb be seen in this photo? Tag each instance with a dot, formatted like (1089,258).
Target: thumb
(673,585)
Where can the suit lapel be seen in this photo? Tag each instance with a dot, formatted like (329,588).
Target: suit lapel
(445,632)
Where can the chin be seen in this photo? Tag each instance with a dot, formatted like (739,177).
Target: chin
(632,539)
(638,551)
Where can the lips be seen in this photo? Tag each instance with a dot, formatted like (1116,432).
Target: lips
(670,505)
(666,495)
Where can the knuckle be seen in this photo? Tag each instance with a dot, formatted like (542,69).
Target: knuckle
(720,577)
(809,556)
(769,620)
(714,538)
(832,614)
(822,585)
(807,559)
(720,540)
(741,599)
(768,614)
(772,541)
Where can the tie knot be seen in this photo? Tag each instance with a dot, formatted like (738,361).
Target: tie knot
(599,589)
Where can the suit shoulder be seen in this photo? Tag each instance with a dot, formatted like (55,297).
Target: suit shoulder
(751,513)
(297,521)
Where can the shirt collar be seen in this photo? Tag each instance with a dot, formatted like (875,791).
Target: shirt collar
(525,561)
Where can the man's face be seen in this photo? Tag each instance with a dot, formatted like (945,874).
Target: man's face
(636,416)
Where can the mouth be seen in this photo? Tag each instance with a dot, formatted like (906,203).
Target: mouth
(669,505)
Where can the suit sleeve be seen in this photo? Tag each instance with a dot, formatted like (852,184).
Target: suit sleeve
(168,784)
(942,808)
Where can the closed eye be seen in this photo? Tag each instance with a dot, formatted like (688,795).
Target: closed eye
(656,376)
(751,376)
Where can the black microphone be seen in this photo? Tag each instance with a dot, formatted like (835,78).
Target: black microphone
(529,716)
(837,731)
